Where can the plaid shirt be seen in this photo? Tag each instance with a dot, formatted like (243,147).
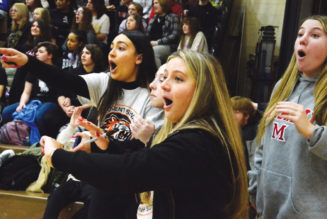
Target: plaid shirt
(170,30)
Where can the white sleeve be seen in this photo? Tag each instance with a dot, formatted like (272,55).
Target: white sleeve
(200,43)
(97,84)
(105,24)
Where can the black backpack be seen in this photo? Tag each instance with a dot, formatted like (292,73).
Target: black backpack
(18,172)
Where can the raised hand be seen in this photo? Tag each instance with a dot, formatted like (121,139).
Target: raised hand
(296,113)
(49,145)
(96,132)
(142,129)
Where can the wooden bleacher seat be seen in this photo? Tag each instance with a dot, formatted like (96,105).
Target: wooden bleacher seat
(16,148)
(28,205)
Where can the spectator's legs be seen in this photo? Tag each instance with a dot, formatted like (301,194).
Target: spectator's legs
(49,118)
(161,53)
(7,112)
(63,195)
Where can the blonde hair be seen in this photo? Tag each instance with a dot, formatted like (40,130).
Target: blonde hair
(287,84)
(215,118)
(44,15)
(22,12)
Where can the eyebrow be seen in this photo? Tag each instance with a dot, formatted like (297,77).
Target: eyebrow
(315,28)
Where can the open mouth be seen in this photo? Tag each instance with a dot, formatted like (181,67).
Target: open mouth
(168,102)
(113,66)
(301,53)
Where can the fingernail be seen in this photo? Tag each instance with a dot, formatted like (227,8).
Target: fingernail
(97,134)
(88,123)
(4,58)
(73,136)
(80,118)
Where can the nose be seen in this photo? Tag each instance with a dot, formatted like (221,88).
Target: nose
(165,85)
(153,85)
(303,39)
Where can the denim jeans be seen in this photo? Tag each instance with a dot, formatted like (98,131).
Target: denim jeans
(49,117)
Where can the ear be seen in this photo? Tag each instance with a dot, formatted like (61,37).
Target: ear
(246,118)
(139,59)
(50,56)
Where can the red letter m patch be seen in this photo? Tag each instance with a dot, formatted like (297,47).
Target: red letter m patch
(278,132)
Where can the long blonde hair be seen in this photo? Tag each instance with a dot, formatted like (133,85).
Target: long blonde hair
(287,84)
(22,12)
(210,110)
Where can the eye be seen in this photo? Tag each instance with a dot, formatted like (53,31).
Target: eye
(178,79)
(314,35)
(299,34)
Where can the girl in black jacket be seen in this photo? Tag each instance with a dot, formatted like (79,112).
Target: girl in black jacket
(196,163)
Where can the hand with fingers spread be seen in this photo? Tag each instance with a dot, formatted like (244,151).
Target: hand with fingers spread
(142,129)
(76,115)
(296,113)
(49,145)
(96,132)
(12,58)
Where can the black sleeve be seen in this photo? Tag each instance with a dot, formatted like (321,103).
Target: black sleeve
(56,77)
(120,147)
(3,77)
(183,160)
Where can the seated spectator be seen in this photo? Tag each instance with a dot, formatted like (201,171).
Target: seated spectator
(121,12)
(61,20)
(191,37)
(243,112)
(147,7)
(42,14)
(133,8)
(163,31)
(207,16)
(135,23)
(92,60)
(175,8)
(49,116)
(31,5)
(83,22)
(19,26)
(75,42)
(100,21)
(39,33)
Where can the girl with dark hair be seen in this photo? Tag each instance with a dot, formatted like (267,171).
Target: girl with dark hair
(75,43)
(192,38)
(135,22)
(100,21)
(92,60)
(83,22)
(118,97)
(133,9)
(39,33)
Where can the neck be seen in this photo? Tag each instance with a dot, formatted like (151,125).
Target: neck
(88,68)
